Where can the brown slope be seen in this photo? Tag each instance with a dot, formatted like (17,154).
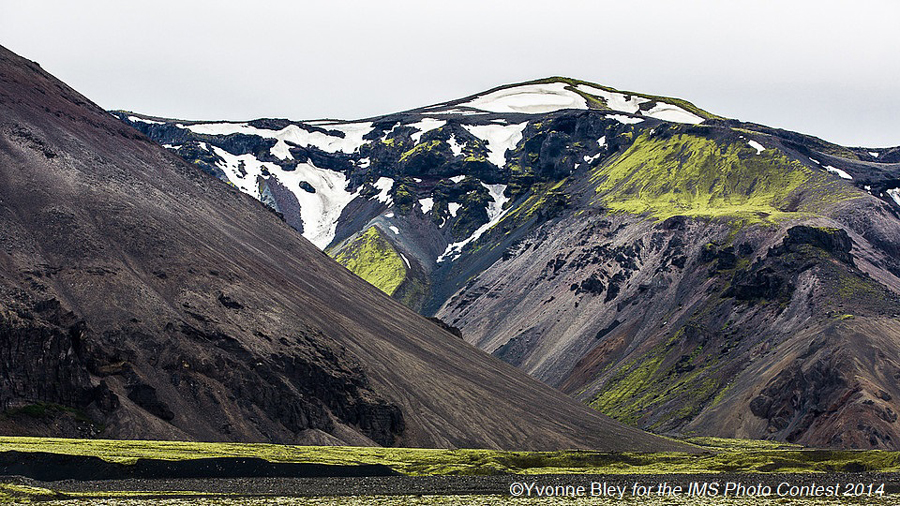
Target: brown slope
(155,300)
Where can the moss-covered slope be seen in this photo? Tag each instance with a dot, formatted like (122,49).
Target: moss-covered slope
(371,257)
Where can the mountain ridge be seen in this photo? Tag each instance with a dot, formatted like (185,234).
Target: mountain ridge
(644,264)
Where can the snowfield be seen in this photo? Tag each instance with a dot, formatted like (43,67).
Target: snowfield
(424,126)
(625,120)
(352,140)
(319,211)
(529,98)
(498,138)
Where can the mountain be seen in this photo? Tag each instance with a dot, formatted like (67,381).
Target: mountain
(141,298)
(680,271)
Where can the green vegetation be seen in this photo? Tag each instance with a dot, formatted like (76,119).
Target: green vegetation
(687,174)
(420,148)
(371,257)
(650,381)
(722,455)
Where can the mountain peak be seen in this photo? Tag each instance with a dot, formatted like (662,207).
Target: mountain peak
(558,93)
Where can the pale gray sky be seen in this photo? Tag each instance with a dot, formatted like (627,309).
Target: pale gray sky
(827,68)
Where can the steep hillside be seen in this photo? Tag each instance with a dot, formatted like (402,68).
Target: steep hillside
(680,271)
(141,298)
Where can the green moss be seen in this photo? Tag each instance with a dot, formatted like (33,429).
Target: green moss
(420,148)
(723,455)
(686,174)
(371,257)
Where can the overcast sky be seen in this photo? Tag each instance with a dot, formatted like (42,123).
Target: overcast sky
(827,68)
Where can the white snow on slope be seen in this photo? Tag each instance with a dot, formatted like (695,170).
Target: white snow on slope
(602,141)
(426,204)
(895,194)
(839,172)
(453,207)
(142,120)
(352,140)
(625,120)
(631,104)
(499,139)
(319,211)
(757,146)
(615,101)
(455,147)
(394,229)
(873,154)
(458,111)
(529,98)
(405,260)
(673,113)
(426,125)
(457,179)
(813,160)
(495,213)
(384,185)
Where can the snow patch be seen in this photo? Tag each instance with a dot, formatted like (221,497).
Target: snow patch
(352,140)
(384,185)
(389,215)
(458,111)
(319,211)
(426,204)
(631,104)
(625,120)
(615,101)
(394,229)
(757,146)
(225,129)
(813,160)
(499,139)
(602,141)
(364,163)
(135,119)
(455,147)
(591,159)
(453,207)
(405,260)
(495,213)
(389,132)
(895,194)
(839,172)
(457,179)
(529,98)
(873,154)
(672,113)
